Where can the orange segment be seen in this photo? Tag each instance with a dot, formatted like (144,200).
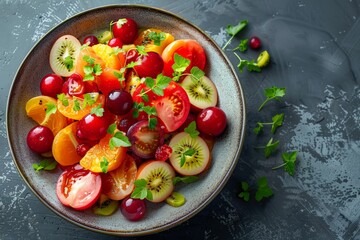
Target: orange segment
(101,151)
(64,146)
(72,112)
(36,109)
(81,63)
(106,53)
(143,39)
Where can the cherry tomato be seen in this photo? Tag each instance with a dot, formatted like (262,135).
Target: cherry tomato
(74,85)
(211,121)
(119,183)
(187,48)
(40,139)
(150,65)
(78,188)
(125,29)
(145,141)
(51,85)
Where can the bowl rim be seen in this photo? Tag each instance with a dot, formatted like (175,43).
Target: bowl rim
(219,187)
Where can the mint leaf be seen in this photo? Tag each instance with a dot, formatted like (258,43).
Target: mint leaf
(111,129)
(69,63)
(179,66)
(189,152)
(263,191)
(273,93)
(157,38)
(119,140)
(88,100)
(141,191)
(64,100)
(191,130)
(76,107)
(270,147)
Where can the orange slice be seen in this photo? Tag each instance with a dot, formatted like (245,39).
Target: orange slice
(36,109)
(101,152)
(64,146)
(81,62)
(143,39)
(106,53)
(71,111)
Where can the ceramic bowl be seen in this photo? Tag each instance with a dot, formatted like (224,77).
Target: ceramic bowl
(159,216)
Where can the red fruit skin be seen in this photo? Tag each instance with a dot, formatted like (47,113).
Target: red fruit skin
(91,40)
(255,43)
(151,65)
(40,139)
(133,209)
(211,121)
(127,31)
(115,42)
(92,127)
(51,85)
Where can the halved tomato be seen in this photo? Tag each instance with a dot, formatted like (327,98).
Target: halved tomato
(119,183)
(187,48)
(172,108)
(78,188)
(145,40)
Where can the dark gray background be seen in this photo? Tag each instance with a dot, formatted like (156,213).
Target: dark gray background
(315,49)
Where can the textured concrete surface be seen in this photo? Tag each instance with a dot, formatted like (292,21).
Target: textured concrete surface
(315,49)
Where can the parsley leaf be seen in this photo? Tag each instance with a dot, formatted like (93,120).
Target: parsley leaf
(120,76)
(250,65)
(50,109)
(98,110)
(76,107)
(263,191)
(191,130)
(242,45)
(233,30)
(141,50)
(277,121)
(185,179)
(189,152)
(104,165)
(141,191)
(88,100)
(149,110)
(244,194)
(179,66)
(64,100)
(289,162)
(157,37)
(156,86)
(152,122)
(45,164)
(91,68)
(69,63)
(272,93)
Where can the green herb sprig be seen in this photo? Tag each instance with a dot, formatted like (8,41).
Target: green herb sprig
(234,30)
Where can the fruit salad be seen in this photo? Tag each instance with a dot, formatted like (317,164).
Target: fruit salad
(126,115)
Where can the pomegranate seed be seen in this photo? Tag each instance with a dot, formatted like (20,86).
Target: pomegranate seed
(163,152)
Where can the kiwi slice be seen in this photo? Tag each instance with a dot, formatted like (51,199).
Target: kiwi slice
(263,59)
(202,92)
(64,54)
(159,177)
(105,36)
(176,199)
(190,156)
(105,206)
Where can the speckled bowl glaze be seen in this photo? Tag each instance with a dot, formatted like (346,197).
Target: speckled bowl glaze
(159,216)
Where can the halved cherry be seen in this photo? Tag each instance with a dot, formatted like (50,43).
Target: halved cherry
(144,140)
